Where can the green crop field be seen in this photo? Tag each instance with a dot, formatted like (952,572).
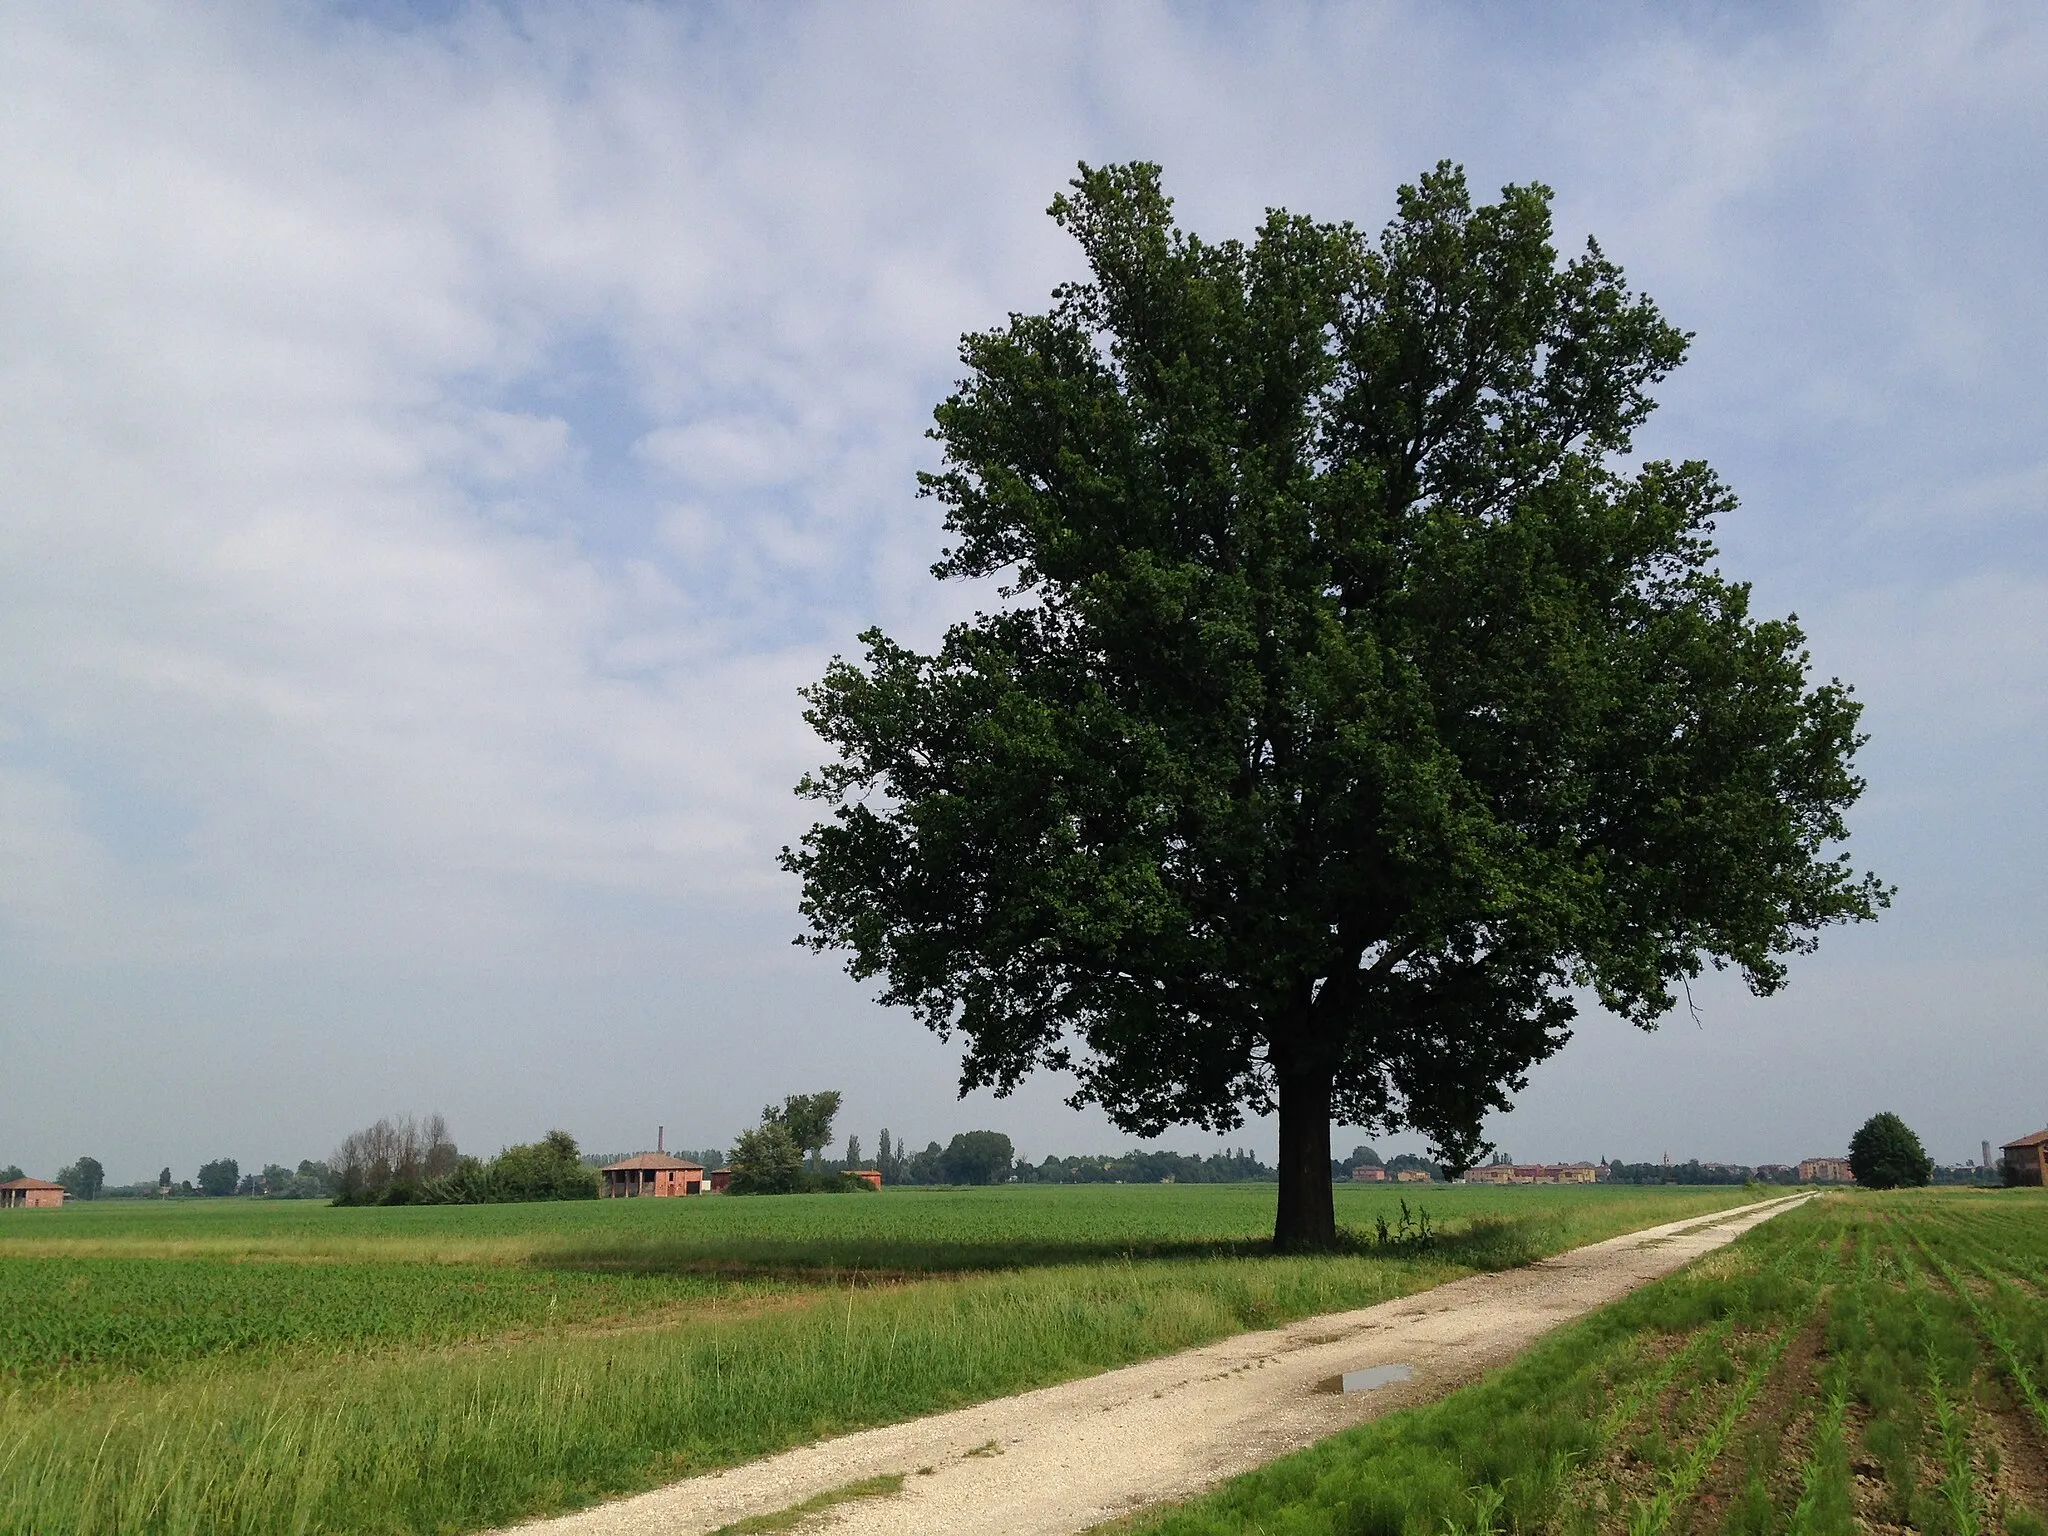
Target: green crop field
(1867,1363)
(252,1366)
(909,1230)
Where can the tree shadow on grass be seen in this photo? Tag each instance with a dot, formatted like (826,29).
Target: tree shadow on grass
(1487,1242)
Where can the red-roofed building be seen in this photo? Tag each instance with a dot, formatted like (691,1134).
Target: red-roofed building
(18,1194)
(651,1173)
(2027,1157)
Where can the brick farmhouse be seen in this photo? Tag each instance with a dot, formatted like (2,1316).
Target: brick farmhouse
(19,1193)
(651,1173)
(2028,1158)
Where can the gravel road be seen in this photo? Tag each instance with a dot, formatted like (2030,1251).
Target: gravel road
(1064,1458)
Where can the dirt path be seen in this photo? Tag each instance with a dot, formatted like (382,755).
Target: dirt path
(1061,1459)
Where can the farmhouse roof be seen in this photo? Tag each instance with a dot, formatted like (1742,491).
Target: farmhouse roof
(2034,1140)
(652,1160)
(30,1184)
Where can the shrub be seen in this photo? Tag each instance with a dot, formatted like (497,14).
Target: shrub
(549,1169)
(766,1161)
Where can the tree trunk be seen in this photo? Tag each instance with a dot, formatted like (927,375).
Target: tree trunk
(1307,1222)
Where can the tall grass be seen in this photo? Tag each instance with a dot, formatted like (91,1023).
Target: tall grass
(467,1438)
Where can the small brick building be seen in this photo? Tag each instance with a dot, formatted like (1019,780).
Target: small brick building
(651,1173)
(2027,1157)
(20,1193)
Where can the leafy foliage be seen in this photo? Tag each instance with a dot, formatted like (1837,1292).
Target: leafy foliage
(84,1179)
(766,1160)
(808,1119)
(1144,1166)
(1350,705)
(978,1157)
(219,1177)
(549,1169)
(1885,1154)
(388,1163)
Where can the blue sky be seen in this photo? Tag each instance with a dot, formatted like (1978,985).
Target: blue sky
(437,442)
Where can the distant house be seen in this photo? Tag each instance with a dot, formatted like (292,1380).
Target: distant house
(651,1173)
(21,1194)
(1826,1170)
(1369,1173)
(1412,1176)
(2027,1157)
(721,1180)
(872,1177)
(1491,1173)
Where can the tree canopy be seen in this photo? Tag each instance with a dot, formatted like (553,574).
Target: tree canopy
(1352,700)
(766,1159)
(808,1118)
(1886,1154)
(977,1157)
(82,1180)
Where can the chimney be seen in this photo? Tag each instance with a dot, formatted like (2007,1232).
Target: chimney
(659,1132)
(1987,1154)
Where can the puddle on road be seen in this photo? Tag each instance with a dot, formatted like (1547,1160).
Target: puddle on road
(1371,1379)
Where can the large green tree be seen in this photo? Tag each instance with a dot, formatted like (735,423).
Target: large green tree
(1352,702)
(1886,1154)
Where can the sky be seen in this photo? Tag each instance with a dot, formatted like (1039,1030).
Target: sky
(438,441)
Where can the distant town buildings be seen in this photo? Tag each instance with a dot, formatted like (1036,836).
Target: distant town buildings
(1533,1173)
(1370,1173)
(1826,1170)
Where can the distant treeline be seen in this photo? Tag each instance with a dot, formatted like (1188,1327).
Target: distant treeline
(972,1157)
(1142,1167)
(708,1157)
(987,1157)
(1693,1172)
(408,1162)
(1366,1157)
